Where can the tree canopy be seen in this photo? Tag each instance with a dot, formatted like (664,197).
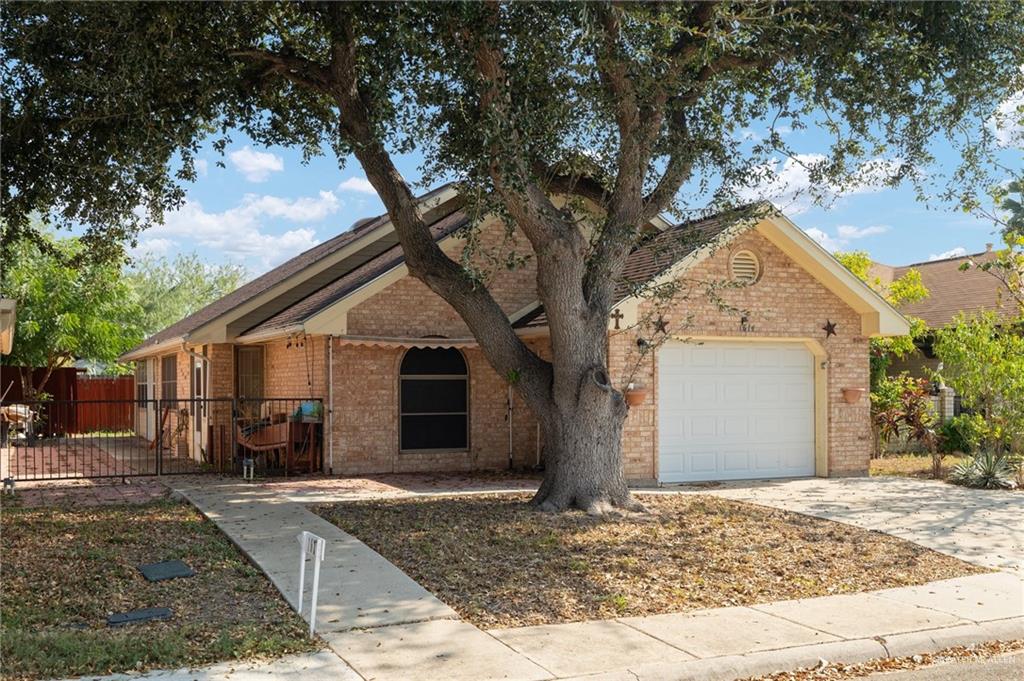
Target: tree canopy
(169,289)
(617,105)
(66,312)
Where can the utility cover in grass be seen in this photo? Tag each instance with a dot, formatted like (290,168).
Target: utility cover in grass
(120,619)
(168,569)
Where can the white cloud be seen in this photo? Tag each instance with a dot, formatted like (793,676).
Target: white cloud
(790,187)
(1007,123)
(848,232)
(202,167)
(303,209)
(844,235)
(256,166)
(827,242)
(357,184)
(155,247)
(957,252)
(239,233)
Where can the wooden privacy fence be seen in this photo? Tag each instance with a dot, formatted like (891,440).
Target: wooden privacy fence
(105,404)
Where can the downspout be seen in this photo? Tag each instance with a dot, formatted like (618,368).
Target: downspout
(330,404)
(510,426)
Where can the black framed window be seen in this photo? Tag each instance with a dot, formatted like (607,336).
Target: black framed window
(169,378)
(434,399)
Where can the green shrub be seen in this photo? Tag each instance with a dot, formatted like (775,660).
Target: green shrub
(986,470)
(963,433)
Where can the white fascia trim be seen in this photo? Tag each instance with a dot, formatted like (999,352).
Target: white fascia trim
(693,258)
(270,334)
(881,318)
(221,321)
(151,350)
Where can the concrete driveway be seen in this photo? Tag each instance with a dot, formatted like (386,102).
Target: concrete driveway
(984,527)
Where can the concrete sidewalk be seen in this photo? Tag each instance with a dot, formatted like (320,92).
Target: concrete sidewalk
(387,627)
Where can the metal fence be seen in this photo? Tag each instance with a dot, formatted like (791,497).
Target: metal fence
(160,437)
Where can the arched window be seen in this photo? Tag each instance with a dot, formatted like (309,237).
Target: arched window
(434,399)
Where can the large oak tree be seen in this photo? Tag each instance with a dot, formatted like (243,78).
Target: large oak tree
(619,105)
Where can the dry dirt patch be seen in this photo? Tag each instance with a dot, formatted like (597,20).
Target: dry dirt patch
(501,564)
(65,569)
(911,465)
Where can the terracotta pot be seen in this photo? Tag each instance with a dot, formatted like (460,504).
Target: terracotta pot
(853,395)
(636,396)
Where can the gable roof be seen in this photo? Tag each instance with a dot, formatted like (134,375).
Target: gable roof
(653,257)
(952,291)
(293,268)
(668,255)
(351,281)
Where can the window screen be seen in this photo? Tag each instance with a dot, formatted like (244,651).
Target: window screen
(169,378)
(433,395)
(250,371)
(141,382)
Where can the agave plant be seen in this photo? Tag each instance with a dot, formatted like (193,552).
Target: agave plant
(987,470)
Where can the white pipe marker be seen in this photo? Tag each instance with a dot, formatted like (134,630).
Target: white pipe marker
(310,545)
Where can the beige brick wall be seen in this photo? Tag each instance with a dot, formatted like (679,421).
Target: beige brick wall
(408,308)
(295,367)
(785,302)
(365,423)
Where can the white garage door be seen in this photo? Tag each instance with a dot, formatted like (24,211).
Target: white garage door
(732,411)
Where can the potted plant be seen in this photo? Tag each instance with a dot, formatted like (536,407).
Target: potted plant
(635,394)
(853,395)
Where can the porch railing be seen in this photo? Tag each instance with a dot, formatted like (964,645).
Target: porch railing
(130,437)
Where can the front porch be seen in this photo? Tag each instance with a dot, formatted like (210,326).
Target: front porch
(133,438)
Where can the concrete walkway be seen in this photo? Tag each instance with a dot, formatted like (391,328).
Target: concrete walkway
(386,627)
(984,527)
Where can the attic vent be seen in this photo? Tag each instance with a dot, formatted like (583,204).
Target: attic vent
(746,268)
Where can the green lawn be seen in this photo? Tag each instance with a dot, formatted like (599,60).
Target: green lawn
(66,569)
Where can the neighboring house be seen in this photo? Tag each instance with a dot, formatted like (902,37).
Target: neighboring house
(8,309)
(731,395)
(951,291)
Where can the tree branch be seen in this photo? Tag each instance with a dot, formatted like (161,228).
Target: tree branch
(299,70)
(489,324)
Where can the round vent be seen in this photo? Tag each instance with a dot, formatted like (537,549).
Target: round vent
(746,268)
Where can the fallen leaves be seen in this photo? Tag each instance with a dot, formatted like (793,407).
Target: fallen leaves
(66,569)
(501,564)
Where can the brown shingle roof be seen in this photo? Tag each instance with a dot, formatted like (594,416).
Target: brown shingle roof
(656,255)
(351,281)
(952,291)
(268,280)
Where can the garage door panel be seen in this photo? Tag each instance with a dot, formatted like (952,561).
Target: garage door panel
(768,459)
(701,463)
(730,411)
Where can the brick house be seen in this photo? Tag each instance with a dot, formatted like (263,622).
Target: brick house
(741,378)
(951,291)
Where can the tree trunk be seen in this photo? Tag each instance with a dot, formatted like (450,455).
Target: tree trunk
(583,449)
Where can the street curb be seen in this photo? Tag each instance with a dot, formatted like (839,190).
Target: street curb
(853,651)
(920,642)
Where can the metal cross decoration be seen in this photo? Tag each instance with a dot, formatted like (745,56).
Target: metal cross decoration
(829,328)
(661,325)
(617,316)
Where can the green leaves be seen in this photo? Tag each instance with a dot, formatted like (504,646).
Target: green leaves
(105,98)
(67,311)
(983,360)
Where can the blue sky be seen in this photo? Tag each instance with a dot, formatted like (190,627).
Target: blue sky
(265,206)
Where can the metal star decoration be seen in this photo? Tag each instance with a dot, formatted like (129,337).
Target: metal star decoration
(661,325)
(829,328)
